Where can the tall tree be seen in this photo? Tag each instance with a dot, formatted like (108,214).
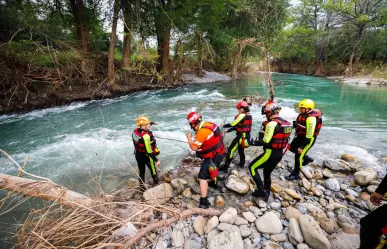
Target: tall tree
(127,10)
(112,46)
(82,30)
(269,16)
(359,14)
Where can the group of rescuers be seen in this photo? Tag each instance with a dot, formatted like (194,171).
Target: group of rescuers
(273,136)
(208,145)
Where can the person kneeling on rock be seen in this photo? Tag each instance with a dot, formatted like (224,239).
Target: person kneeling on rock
(274,137)
(145,149)
(208,144)
(374,224)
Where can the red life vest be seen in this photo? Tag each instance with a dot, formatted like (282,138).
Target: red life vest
(281,134)
(301,123)
(245,124)
(139,144)
(212,146)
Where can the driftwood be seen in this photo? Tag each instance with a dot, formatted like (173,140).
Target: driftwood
(163,223)
(45,190)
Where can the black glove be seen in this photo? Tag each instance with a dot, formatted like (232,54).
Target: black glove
(294,124)
(256,142)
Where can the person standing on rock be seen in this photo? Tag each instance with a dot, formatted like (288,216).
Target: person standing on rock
(308,125)
(208,144)
(372,224)
(145,149)
(274,137)
(242,125)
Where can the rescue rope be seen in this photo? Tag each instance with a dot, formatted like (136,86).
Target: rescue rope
(171,139)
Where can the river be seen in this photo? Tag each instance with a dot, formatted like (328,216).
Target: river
(70,144)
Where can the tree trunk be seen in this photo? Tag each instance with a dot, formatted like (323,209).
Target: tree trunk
(82,30)
(44,190)
(127,39)
(320,71)
(355,51)
(163,39)
(200,54)
(235,62)
(112,46)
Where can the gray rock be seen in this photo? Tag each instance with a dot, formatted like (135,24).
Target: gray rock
(211,224)
(269,223)
(161,244)
(247,244)
(341,240)
(275,205)
(177,238)
(226,240)
(229,216)
(313,234)
(302,246)
(249,216)
(261,203)
(351,192)
(363,177)
(245,231)
(159,194)
(179,184)
(343,186)
(199,224)
(287,245)
(256,211)
(227,227)
(271,245)
(278,237)
(371,188)
(129,230)
(327,192)
(336,165)
(291,212)
(236,184)
(241,221)
(332,184)
(295,234)
(344,221)
(212,234)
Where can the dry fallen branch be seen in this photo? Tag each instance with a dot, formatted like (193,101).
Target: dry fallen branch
(170,221)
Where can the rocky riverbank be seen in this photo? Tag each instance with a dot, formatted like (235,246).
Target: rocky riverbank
(320,211)
(360,80)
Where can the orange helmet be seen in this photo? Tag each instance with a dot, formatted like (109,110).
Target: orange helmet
(142,120)
(270,108)
(242,104)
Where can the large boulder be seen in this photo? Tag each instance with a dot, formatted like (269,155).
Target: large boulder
(159,194)
(363,177)
(336,165)
(313,234)
(295,234)
(342,240)
(229,216)
(236,184)
(226,240)
(269,223)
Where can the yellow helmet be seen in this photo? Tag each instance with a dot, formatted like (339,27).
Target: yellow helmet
(142,120)
(306,103)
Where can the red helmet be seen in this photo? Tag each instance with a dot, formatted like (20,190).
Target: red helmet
(270,108)
(193,117)
(242,104)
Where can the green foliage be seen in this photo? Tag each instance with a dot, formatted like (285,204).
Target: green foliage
(298,45)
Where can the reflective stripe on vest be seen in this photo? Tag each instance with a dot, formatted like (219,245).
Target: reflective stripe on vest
(281,135)
(245,124)
(138,140)
(214,144)
(301,123)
